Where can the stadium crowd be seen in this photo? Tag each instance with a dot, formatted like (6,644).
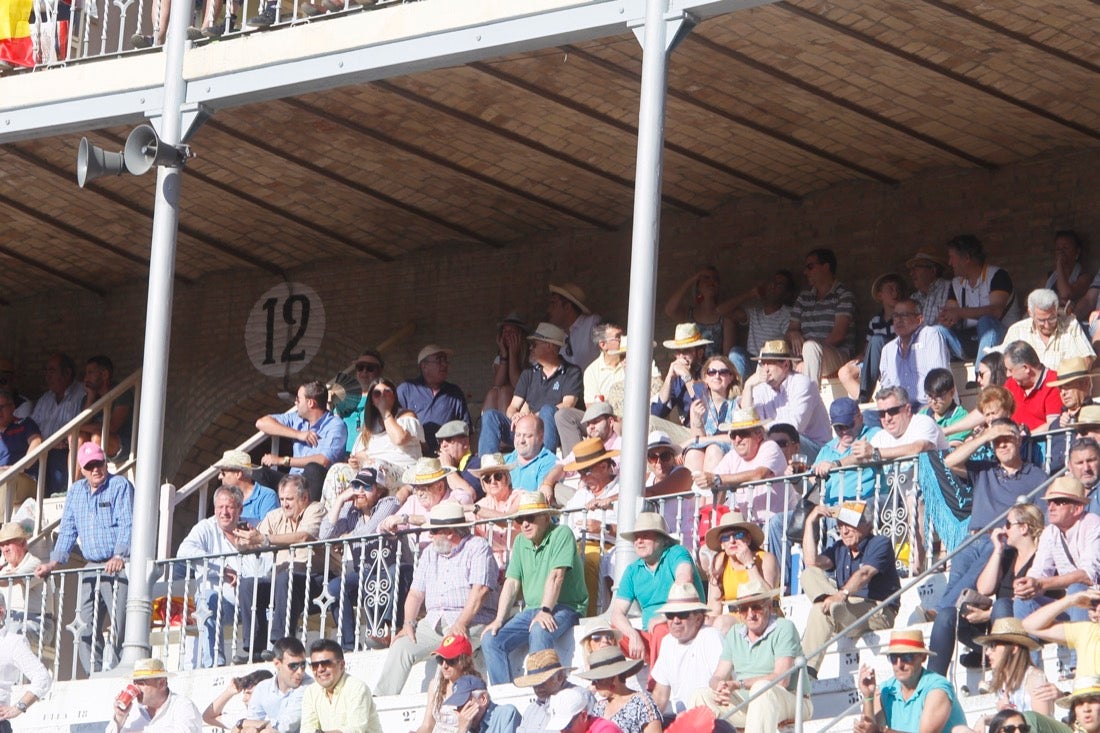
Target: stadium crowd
(749,468)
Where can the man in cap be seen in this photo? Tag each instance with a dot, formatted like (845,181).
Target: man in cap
(545,675)
(1068,556)
(777,392)
(277,701)
(1029,382)
(1055,335)
(368,367)
(546,566)
(26,609)
(547,385)
(688,655)
(567,310)
(434,400)
(370,566)
(683,382)
(916,699)
(59,404)
(455,582)
(99,512)
(338,702)
(476,711)
(235,469)
(661,562)
(917,350)
(820,329)
(755,652)
(18,661)
(454,451)
(535,467)
(155,709)
(1074,384)
(597,421)
(318,439)
(592,514)
(753,458)
(569,713)
(931,288)
(864,575)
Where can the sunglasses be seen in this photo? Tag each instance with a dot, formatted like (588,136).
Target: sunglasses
(587,471)
(444,662)
(1009,524)
(678,615)
(525,520)
(1058,501)
(367,366)
(892,411)
(906,658)
(438,530)
(781,442)
(740,434)
(754,607)
(297,666)
(602,636)
(1021,728)
(659,456)
(322,663)
(739,534)
(94,465)
(381,392)
(718,372)
(494,477)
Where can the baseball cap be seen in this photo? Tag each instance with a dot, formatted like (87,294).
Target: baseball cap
(365,479)
(464,686)
(843,411)
(89,453)
(564,706)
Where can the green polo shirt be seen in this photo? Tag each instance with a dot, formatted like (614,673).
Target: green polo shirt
(531,566)
(757,658)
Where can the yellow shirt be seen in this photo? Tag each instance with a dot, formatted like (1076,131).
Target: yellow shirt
(349,710)
(1084,637)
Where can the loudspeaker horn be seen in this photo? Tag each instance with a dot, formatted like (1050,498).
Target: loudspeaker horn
(144,149)
(94,162)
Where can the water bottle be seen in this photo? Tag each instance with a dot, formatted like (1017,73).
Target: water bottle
(796,568)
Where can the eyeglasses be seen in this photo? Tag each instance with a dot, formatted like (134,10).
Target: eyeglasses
(754,607)
(322,663)
(368,366)
(898,315)
(678,615)
(662,456)
(297,666)
(739,534)
(892,411)
(906,658)
(1058,501)
(1020,728)
(781,442)
(494,477)
(718,372)
(1052,318)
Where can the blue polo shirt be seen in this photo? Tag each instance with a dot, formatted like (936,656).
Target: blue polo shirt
(257,506)
(528,478)
(995,490)
(650,586)
(904,715)
(332,436)
(876,551)
(433,409)
(847,483)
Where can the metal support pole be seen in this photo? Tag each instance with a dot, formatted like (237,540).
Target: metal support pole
(158,329)
(658,31)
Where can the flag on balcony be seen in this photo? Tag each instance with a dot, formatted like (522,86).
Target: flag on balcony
(15,32)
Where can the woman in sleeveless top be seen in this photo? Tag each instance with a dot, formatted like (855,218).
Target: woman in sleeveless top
(702,310)
(1018,684)
(738,558)
(455,657)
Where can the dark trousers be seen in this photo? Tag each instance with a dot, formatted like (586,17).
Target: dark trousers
(287,599)
(314,475)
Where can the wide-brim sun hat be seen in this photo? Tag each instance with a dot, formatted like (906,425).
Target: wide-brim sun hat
(686,336)
(235,460)
(1089,415)
(533,502)
(574,294)
(743,418)
(431,349)
(1067,487)
(492,463)
(776,350)
(1008,629)
(1072,369)
(609,661)
(548,332)
(682,598)
(731,521)
(908,641)
(148,669)
(589,452)
(426,471)
(538,667)
(754,591)
(648,522)
(1082,687)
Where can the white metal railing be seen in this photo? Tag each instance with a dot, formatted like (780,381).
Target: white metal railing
(69,434)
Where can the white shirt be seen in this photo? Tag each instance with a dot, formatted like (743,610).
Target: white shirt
(927,351)
(798,402)
(207,538)
(606,517)
(176,715)
(921,427)
(580,349)
(685,668)
(1068,340)
(382,448)
(18,661)
(50,414)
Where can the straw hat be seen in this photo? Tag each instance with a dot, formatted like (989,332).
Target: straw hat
(598,626)
(426,471)
(1011,630)
(924,255)
(589,452)
(432,349)
(730,521)
(1072,369)
(1089,415)
(491,463)
(648,522)
(548,332)
(1066,487)
(682,597)
(533,502)
(742,419)
(686,336)
(1082,687)
(538,667)
(147,669)
(235,460)
(752,591)
(776,350)
(908,641)
(12,531)
(609,661)
(446,514)
(573,294)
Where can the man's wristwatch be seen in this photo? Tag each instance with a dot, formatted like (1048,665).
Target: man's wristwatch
(286,461)
(21,706)
(547,609)
(876,456)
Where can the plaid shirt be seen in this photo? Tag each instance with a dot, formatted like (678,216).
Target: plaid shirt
(445,581)
(103,520)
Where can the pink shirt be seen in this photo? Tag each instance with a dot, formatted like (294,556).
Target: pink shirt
(1060,553)
(760,501)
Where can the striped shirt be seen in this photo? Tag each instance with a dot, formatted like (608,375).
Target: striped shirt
(933,301)
(103,520)
(817,316)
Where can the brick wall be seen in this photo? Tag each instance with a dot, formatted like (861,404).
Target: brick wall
(455,294)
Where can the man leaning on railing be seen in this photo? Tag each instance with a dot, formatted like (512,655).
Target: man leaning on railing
(99,512)
(24,593)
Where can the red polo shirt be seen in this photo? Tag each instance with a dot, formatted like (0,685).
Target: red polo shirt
(1041,400)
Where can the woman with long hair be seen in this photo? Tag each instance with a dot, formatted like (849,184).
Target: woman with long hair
(714,404)
(390,433)
(702,310)
(738,559)
(1018,684)
(455,657)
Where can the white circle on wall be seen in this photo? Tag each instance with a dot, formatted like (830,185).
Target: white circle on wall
(285,329)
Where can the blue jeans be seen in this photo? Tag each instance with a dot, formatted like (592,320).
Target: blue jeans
(740,357)
(516,632)
(495,427)
(989,332)
(211,648)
